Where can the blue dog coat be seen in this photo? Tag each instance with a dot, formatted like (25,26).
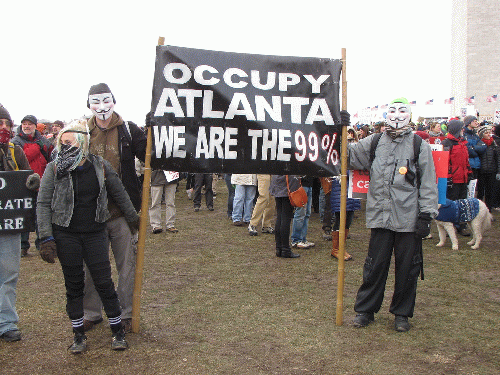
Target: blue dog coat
(459,211)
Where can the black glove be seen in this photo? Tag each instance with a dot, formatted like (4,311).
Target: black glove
(33,181)
(48,250)
(134,226)
(423,226)
(345,118)
(149,121)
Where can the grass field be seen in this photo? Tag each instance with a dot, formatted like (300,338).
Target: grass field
(217,301)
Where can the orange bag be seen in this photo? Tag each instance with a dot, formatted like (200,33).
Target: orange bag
(298,197)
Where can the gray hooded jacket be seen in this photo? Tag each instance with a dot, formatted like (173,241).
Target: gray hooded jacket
(392,202)
(56,199)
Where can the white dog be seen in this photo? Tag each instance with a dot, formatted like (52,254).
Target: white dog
(472,211)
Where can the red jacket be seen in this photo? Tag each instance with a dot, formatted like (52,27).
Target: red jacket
(459,167)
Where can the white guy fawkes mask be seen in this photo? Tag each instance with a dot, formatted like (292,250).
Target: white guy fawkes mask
(398,115)
(102,105)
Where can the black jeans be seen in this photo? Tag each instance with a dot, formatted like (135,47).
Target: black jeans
(284,216)
(72,250)
(200,180)
(376,268)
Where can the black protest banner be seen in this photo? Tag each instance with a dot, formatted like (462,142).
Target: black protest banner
(242,113)
(17,203)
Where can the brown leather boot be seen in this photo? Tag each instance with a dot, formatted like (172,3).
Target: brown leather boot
(335,246)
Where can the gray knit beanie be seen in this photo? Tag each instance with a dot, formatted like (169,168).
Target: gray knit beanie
(469,119)
(454,127)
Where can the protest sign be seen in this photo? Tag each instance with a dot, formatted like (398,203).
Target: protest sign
(242,113)
(17,203)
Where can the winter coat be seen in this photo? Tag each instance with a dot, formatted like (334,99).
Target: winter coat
(244,179)
(20,159)
(490,160)
(458,165)
(37,149)
(475,146)
(393,202)
(56,199)
(352,204)
(278,187)
(131,144)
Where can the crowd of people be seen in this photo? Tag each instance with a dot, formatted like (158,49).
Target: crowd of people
(87,175)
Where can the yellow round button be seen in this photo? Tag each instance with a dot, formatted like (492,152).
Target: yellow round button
(403,170)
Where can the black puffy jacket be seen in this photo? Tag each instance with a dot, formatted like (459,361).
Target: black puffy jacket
(490,160)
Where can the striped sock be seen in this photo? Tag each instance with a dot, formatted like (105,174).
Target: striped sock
(77,325)
(115,323)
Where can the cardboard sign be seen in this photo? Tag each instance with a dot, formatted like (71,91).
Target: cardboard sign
(17,203)
(242,113)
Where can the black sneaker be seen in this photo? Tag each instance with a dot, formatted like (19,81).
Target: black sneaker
(79,344)
(361,320)
(401,323)
(11,336)
(118,342)
(252,231)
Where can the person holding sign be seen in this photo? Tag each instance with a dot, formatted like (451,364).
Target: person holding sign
(118,142)
(12,158)
(402,200)
(72,212)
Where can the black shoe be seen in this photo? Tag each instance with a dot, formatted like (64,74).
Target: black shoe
(362,320)
(287,253)
(464,232)
(196,209)
(11,336)
(118,342)
(401,323)
(79,344)
(210,208)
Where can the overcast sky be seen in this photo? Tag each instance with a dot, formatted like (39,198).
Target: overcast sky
(53,51)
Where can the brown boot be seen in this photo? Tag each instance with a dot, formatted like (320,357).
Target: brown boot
(335,246)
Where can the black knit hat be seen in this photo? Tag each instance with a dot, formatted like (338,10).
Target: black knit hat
(454,127)
(100,88)
(5,115)
(30,118)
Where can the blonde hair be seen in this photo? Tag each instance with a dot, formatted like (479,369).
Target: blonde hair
(80,130)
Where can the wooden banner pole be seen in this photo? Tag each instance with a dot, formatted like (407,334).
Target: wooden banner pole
(139,265)
(343,199)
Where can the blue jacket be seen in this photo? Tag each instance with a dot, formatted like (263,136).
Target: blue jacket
(475,146)
(352,204)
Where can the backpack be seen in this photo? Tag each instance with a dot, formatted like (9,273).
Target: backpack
(417,141)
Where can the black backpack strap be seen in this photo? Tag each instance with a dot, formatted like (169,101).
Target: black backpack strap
(417,142)
(373,146)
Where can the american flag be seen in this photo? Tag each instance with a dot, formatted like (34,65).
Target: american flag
(429,102)
(383,106)
(491,99)
(413,102)
(375,108)
(449,100)
(470,100)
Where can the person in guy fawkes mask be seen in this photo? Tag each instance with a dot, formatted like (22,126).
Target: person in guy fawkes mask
(402,199)
(72,211)
(12,158)
(118,142)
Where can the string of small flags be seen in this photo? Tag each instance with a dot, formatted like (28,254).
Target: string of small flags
(468,100)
